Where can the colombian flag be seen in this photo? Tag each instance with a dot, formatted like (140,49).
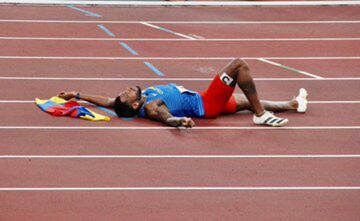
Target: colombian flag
(59,107)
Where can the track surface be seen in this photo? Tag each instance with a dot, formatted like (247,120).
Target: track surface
(48,49)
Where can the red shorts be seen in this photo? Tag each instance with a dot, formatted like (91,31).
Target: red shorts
(218,99)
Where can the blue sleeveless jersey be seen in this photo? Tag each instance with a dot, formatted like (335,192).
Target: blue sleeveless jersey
(180,101)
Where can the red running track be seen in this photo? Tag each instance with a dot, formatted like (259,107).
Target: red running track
(186,69)
(185,13)
(179,205)
(179,49)
(343,90)
(208,31)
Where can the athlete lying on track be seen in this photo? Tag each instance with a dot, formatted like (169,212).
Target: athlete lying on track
(174,105)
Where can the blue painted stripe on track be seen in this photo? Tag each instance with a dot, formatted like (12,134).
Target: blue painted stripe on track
(127,47)
(128,118)
(167,30)
(112,113)
(84,11)
(154,69)
(107,31)
(102,108)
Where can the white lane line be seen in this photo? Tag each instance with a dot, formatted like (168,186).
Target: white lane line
(180,22)
(17,101)
(175,58)
(187,38)
(310,102)
(167,30)
(168,79)
(334,102)
(290,68)
(173,128)
(219,188)
(158,3)
(175,156)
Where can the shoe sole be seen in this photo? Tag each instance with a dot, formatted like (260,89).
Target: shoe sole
(303,96)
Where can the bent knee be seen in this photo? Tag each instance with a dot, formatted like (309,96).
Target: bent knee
(239,62)
(240,65)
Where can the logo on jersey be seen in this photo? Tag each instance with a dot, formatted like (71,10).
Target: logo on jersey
(156,89)
(226,79)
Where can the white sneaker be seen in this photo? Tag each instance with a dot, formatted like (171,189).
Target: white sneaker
(270,119)
(302,100)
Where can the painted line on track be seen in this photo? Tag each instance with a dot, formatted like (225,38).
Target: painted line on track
(175,58)
(175,128)
(182,22)
(176,156)
(167,30)
(334,102)
(167,79)
(107,31)
(225,188)
(290,68)
(173,39)
(89,13)
(127,47)
(154,69)
(349,3)
(310,102)
(112,113)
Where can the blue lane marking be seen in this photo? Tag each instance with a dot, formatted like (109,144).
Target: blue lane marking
(112,113)
(127,47)
(102,108)
(128,118)
(167,30)
(84,11)
(154,69)
(107,31)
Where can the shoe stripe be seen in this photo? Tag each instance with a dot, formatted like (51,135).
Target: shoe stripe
(281,120)
(273,121)
(269,118)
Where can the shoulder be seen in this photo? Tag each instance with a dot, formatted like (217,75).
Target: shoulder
(153,104)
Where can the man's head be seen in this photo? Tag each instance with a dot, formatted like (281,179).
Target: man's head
(128,103)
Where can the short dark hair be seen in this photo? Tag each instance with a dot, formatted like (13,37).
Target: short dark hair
(123,109)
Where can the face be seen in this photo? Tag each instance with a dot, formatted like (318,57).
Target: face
(131,95)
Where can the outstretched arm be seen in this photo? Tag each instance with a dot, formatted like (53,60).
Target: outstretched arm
(95,99)
(158,111)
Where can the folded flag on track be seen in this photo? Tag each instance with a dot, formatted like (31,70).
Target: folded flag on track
(57,106)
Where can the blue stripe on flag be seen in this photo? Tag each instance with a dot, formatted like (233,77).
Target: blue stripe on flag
(48,104)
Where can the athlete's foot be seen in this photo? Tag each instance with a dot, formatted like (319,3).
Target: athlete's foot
(270,119)
(302,101)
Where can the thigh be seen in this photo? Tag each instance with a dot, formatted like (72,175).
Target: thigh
(230,106)
(216,97)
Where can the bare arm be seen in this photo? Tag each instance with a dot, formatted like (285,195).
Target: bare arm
(158,111)
(95,99)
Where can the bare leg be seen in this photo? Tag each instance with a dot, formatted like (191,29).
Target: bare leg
(242,103)
(239,70)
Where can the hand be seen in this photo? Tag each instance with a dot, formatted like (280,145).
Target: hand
(187,122)
(66,95)
(180,122)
